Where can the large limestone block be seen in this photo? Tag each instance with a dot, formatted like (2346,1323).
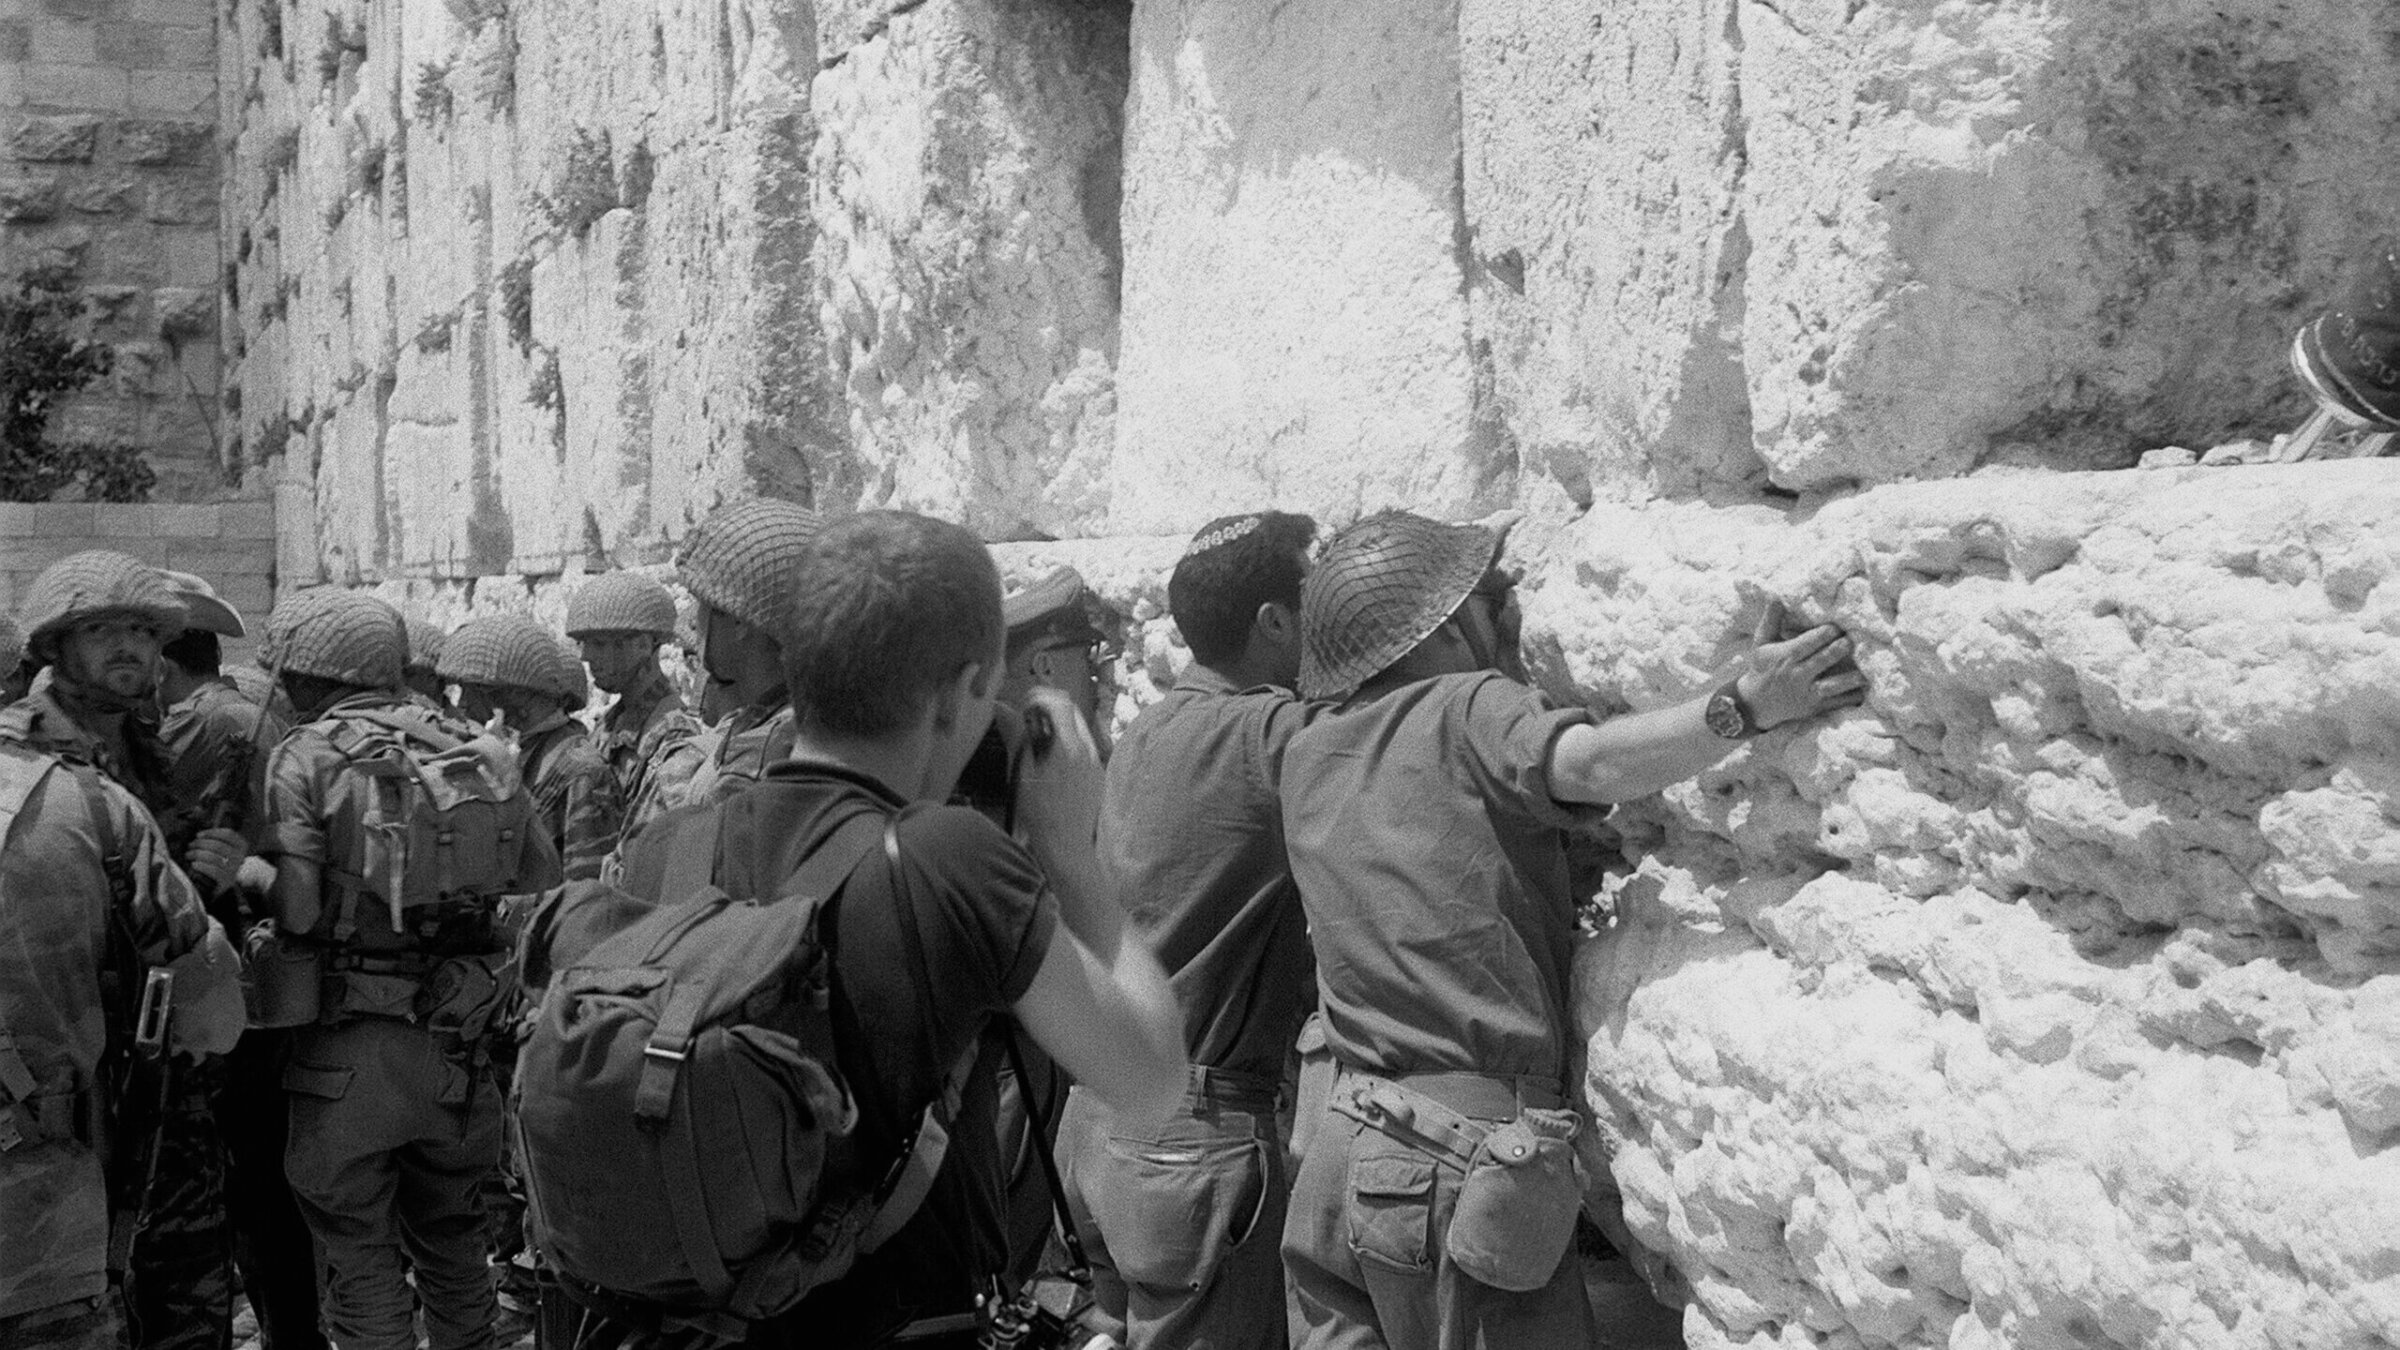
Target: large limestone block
(965,186)
(2048,999)
(1724,245)
(1295,319)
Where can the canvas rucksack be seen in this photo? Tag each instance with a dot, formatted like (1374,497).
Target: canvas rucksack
(682,1124)
(444,820)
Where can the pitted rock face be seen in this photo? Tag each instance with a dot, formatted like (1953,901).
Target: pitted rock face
(2048,999)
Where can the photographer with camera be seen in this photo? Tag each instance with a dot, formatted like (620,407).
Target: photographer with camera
(1427,818)
(892,648)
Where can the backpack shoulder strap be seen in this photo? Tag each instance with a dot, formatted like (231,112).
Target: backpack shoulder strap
(408,728)
(22,770)
(691,865)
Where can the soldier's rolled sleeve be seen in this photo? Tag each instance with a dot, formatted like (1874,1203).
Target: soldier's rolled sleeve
(293,800)
(1511,731)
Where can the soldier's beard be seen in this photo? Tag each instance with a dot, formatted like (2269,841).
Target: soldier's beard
(94,696)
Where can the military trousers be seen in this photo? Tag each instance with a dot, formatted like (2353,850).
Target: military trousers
(85,1324)
(179,1278)
(1182,1224)
(394,1133)
(1365,1249)
(272,1247)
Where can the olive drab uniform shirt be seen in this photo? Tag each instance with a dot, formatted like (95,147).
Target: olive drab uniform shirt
(1191,839)
(75,931)
(217,741)
(574,792)
(715,764)
(137,762)
(1432,861)
(637,733)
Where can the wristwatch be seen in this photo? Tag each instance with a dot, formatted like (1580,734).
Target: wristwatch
(1728,713)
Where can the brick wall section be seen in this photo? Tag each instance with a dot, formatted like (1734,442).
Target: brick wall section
(108,160)
(231,544)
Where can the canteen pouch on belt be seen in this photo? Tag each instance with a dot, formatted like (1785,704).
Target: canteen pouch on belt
(1516,1209)
(280,978)
(464,994)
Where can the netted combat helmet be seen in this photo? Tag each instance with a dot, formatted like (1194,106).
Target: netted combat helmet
(739,557)
(203,608)
(506,651)
(96,584)
(1380,588)
(574,682)
(348,637)
(425,639)
(621,602)
(2350,356)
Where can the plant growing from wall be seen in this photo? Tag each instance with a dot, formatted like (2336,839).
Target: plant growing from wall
(41,362)
(434,101)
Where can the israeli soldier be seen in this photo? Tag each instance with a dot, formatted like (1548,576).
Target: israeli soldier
(1426,818)
(735,564)
(218,738)
(394,832)
(15,677)
(620,620)
(510,664)
(111,960)
(1191,835)
(97,622)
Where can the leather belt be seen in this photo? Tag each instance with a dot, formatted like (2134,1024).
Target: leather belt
(1448,1113)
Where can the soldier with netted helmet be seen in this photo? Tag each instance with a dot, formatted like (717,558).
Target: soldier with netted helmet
(509,664)
(111,1209)
(94,622)
(397,833)
(619,620)
(218,738)
(15,675)
(736,564)
(1427,819)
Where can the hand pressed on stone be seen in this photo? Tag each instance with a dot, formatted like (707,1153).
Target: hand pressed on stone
(1798,673)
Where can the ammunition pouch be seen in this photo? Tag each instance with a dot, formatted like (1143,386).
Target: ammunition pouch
(282,978)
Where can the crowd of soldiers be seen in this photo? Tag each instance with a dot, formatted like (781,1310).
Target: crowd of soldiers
(1290,962)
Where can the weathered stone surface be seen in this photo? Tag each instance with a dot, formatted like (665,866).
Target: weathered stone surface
(965,180)
(1295,323)
(68,139)
(531,282)
(140,140)
(27,198)
(1723,244)
(2046,1000)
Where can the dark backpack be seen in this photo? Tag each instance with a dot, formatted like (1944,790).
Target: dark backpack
(682,1124)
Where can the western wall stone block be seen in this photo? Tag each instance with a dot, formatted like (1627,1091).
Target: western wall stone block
(1818,244)
(29,198)
(160,141)
(135,520)
(70,44)
(68,138)
(183,312)
(74,86)
(1931,1018)
(81,9)
(134,46)
(184,93)
(180,202)
(247,520)
(39,520)
(104,194)
(964,192)
(1296,328)
(16,42)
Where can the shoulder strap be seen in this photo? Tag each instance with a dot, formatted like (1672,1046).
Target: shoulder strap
(408,727)
(691,864)
(22,770)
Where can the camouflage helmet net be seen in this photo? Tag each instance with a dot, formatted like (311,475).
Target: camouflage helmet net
(574,682)
(737,559)
(1380,588)
(508,651)
(96,584)
(425,639)
(348,637)
(621,602)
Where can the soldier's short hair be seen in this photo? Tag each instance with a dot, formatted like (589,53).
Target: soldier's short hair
(1233,566)
(886,607)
